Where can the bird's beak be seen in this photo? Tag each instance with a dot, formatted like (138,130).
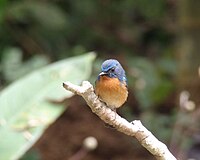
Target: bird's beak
(102,73)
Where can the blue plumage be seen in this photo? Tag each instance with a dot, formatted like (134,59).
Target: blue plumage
(111,84)
(114,70)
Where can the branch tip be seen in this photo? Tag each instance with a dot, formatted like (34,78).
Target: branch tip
(134,128)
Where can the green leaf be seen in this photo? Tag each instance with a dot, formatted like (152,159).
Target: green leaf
(13,66)
(25,110)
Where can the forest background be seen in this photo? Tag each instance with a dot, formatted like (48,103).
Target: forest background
(157,42)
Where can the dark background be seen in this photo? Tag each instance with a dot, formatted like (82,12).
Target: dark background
(156,41)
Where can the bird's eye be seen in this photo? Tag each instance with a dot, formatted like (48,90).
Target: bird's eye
(112,69)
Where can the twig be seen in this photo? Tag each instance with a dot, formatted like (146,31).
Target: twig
(134,129)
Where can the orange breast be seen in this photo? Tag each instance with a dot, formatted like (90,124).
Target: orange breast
(111,91)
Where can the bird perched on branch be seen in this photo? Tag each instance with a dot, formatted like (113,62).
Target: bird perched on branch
(111,84)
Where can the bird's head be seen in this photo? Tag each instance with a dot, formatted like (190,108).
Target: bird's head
(113,69)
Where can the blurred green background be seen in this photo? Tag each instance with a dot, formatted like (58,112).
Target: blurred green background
(156,41)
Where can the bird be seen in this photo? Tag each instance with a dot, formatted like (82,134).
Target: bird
(111,84)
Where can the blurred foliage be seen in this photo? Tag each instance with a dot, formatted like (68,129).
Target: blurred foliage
(151,86)
(139,33)
(13,67)
(31,155)
(162,123)
(57,27)
(26,110)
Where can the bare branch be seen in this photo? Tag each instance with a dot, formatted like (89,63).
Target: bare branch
(134,129)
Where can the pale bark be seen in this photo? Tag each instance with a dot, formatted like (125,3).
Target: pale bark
(135,128)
